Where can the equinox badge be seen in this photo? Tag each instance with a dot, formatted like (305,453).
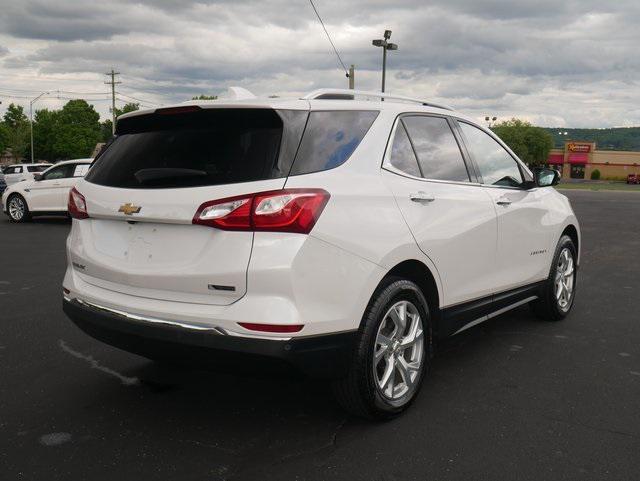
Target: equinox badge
(128,209)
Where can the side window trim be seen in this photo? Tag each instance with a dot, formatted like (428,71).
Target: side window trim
(523,170)
(472,167)
(474,179)
(413,147)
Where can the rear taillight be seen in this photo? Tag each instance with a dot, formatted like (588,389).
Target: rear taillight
(77,205)
(287,210)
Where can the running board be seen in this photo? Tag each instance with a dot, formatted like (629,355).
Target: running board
(494,314)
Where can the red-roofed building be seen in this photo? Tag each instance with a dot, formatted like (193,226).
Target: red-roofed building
(579,159)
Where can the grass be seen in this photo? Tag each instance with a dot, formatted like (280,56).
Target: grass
(621,186)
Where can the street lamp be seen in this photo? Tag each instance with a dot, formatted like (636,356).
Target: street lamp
(490,120)
(385,46)
(31,120)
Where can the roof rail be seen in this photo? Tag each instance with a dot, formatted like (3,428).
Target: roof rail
(348,94)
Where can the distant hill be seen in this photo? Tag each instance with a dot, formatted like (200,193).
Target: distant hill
(627,138)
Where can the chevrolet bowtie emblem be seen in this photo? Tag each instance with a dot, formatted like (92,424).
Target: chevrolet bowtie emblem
(128,209)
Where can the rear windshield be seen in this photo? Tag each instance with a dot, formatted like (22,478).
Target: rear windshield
(37,168)
(200,148)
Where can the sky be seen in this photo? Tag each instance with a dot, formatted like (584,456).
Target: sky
(571,63)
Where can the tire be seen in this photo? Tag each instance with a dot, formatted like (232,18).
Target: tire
(360,391)
(551,306)
(17,209)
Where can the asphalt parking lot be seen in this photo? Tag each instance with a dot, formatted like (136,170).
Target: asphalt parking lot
(514,398)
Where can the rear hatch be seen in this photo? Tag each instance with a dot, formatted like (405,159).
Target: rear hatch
(143,191)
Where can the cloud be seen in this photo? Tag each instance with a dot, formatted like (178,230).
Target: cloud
(572,63)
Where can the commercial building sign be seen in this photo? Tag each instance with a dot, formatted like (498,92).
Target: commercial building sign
(582,148)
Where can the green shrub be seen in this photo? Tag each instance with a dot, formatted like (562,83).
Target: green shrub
(595,175)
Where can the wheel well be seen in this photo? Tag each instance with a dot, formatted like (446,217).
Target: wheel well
(17,194)
(417,272)
(572,232)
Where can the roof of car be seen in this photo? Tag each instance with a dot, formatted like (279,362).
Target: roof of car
(75,161)
(334,99)
(26,165)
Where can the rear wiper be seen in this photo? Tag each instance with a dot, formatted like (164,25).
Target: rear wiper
(145,176)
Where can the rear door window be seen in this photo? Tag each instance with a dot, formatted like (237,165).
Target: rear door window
(403,157)
(439,155)
(191,147)
(330,138)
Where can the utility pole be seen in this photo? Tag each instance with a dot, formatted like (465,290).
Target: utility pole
(31,102)
(386,45)
(352,78)
(113,83)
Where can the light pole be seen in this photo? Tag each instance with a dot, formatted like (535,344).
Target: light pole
(385,46)
(490,121)
(31,120)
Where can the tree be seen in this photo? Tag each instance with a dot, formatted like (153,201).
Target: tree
(4,137)
(105,127)
(205,97)
(77,130)
(531,144)
(46,124)
(16,131)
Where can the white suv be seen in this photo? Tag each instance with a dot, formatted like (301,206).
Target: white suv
(339,235)
(20,172)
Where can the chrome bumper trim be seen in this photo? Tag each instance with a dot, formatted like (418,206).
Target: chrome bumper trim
(151,320)
(181,324)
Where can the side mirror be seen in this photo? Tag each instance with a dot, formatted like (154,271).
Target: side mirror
(37,176)
(546,177)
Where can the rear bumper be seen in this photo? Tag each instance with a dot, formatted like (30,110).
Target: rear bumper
(318,356)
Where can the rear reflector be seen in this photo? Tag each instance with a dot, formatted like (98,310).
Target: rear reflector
(286,210)
(77,205)
(282,328)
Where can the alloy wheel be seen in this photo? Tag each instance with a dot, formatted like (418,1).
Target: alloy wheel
(399,351)
(564,280)
(16,208)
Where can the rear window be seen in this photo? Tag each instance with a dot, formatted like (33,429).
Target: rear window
(200,148)
(330,138)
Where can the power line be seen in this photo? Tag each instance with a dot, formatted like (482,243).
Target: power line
(136,98)
(329,37)
(125,101)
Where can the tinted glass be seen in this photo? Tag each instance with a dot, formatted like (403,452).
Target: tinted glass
(59,172)
(496,166)
(198,148)
(37,168)
(330,138)
(438,152)
(402,156)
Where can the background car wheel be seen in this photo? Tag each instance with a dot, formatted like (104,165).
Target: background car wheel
(559,290)
(18,209)
(392,353)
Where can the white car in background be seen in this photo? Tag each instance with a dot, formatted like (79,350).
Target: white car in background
(46,193)
(19,172)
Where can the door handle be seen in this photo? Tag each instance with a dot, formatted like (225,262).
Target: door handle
(421,197)
(503,201)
